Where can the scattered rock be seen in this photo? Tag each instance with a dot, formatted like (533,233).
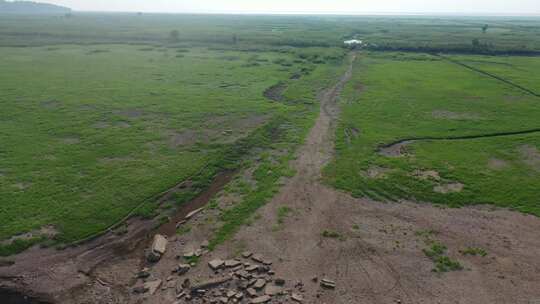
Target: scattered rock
(328,284)
(258,258)
(252,268)
(246,254)
(159,246)
(210,283)
(223,300)
(182,269)
(239,295)
(279,281)
(186,284)
(259,284)
(193,213)
(232,263)
(205,244)
(143,274)
(139,289)
(272,290)
(261,299)
(251,292)
(296,297)
(216,264)
(152,286)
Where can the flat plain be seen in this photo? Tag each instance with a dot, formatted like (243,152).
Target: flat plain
(406,170)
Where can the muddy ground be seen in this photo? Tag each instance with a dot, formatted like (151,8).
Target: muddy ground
(373,253)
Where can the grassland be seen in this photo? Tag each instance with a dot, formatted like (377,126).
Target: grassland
(435,33)
(91,132)
(398,96)
(103,112)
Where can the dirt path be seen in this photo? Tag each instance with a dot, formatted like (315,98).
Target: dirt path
(378,256)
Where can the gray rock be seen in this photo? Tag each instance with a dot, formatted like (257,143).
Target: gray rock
(193,213)
(296,297)
(251,292)
(152,286)
(159,245)
(182,269)
(232,263)
(239,295)
(246,254)
(210,283)
(216,264)
(326,283)
(261,299)
(259,284)
(252,268)
(258,258)
(272,290)
(143,274)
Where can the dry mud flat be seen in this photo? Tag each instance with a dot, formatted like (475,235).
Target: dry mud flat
(371,252)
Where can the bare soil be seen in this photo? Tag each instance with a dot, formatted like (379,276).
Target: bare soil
(377,257)
(497,164)
(531,156)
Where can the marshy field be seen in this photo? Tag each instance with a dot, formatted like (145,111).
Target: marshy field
(410,160)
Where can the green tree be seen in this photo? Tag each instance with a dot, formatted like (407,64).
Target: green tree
(174,36)
(485,28)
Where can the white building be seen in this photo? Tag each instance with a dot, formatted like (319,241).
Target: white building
(353,42)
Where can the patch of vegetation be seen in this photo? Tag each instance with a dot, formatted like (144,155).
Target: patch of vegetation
(18,245)
(445,264)
(425,233)
(81,178)
(331,234)
(282,213)
(407,96)
(192,260)
(474,251)
(437,253)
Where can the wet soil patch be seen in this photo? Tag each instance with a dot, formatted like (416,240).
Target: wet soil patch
(14,297)
(275,92)
(200,201)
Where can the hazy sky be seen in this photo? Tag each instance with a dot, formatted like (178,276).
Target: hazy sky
(310,6)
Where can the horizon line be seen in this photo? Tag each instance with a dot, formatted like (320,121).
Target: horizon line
(337,13)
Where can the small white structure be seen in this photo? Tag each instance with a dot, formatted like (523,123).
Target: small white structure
(353,42)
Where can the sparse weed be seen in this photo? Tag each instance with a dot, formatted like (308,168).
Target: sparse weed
(474,251)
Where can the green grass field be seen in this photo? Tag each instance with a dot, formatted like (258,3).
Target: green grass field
(103,112)
(411,32)
(397,96)
(90,132)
